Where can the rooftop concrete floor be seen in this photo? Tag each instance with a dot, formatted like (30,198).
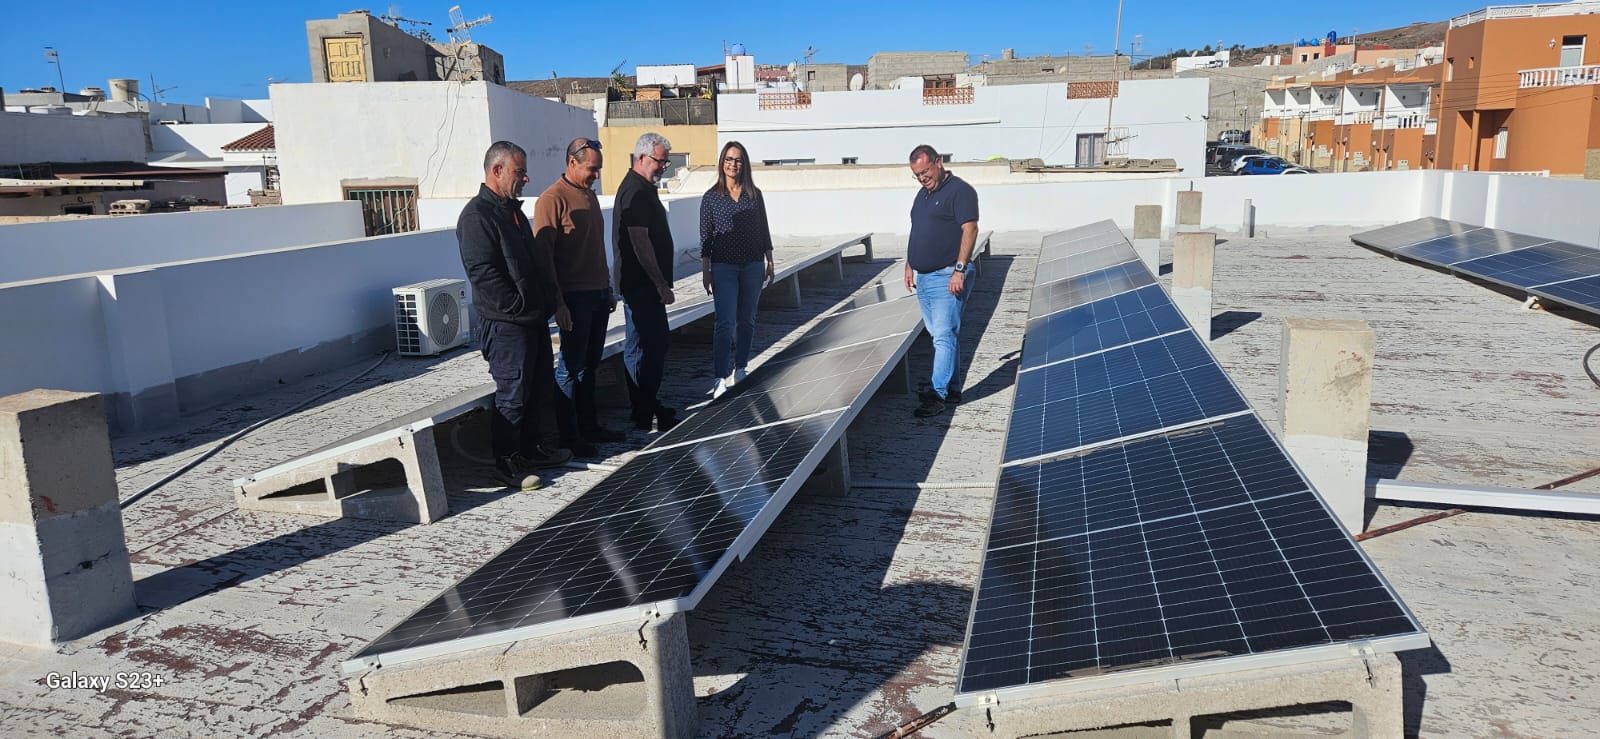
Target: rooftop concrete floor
(847,618)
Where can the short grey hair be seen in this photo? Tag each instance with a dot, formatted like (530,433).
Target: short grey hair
(500,150)
(648,143)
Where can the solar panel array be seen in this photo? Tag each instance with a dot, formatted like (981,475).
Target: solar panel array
(1556,270)
(1144,516)
(664,526)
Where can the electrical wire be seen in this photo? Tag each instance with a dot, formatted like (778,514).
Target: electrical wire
(237,435)
(1586,369)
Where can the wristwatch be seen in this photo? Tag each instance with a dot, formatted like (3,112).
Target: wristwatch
(961,266)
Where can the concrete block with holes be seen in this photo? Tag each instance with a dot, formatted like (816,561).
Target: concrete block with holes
(621,680)
(64,569)
(396,478)
(1358,696)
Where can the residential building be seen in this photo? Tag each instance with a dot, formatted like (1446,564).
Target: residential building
(885,68)
(1519,92)
(1060,123)
(415,141)
(1383,119)
(357,47)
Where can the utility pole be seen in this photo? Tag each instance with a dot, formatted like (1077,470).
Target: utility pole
(52,57)
(1116,46)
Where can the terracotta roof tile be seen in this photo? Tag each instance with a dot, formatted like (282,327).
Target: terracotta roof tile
(262,140)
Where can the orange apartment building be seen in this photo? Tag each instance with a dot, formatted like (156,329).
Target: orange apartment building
(1520,90)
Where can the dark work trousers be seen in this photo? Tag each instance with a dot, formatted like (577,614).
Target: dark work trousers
(580,360)
(521,363)
(650,327)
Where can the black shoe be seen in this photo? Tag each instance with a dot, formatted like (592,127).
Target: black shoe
(517,473)
(666,418)
(952,397)
(581,447)
(602,435)
(932,405)
(643,423)
(545,457)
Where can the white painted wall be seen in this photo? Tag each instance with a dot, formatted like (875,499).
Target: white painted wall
(1166,118)
(228,110)
(55,337)
(434,133)
(33,137)
(200,140)
(1554,208)
(31,251)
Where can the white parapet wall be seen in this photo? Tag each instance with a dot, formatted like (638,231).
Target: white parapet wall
(31,251)
(169,339)
(35,137)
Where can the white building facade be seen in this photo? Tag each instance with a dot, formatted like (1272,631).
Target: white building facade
(429,137)
(1148,119)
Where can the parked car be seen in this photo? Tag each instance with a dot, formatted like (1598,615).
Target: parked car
(1240,162)
(1273,166)
(1227,157)
(1234,136)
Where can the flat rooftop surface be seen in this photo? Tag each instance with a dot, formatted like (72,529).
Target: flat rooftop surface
(847,618)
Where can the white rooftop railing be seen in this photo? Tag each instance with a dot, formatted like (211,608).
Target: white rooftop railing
(1541,10)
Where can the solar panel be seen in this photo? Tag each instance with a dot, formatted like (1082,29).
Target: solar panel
(1483,242)
(653,531)
(879,293)
(1130,390)
(1537,265)
(1103,324)
(1086,288)
(1178,547)
(1081,239)
(872,321)
(1144,517)
(1582,293)
(1073,265)
(1400,235)
(821,382)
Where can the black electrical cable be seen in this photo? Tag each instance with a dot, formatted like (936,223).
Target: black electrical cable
(237,435)
(1586,370)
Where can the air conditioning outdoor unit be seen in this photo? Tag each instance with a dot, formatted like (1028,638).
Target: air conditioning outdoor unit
(430,317)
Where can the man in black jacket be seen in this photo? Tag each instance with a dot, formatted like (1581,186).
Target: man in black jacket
(514,294)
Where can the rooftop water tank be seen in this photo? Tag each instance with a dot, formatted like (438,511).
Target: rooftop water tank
(124,90)
(738,50)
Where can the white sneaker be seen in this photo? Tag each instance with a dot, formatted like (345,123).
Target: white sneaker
(738,375)
(721,387)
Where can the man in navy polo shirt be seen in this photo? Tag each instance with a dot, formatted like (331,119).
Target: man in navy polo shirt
(939,268)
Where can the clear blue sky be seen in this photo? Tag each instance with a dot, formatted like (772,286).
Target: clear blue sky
(230,49)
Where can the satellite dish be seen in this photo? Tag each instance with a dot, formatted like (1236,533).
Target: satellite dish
(856,82)
(791,70)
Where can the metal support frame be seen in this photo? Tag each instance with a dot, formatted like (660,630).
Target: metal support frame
(1548,501)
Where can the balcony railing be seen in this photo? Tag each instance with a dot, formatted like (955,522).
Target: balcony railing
(1320,115)
(1397,121)
(1356,117)
(783,100)
(947,96)
(1542,10)
(1561,76)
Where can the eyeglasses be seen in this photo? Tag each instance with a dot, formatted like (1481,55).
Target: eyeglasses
(660,161)
(590,144)
(732,160)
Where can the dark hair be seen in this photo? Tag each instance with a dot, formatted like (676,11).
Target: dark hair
(747,182)
(924,151)
(500,150)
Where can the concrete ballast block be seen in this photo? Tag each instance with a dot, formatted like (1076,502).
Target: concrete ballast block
(1325,392)
(1147,235)
(1193,257)
(64,569)
(1189,210)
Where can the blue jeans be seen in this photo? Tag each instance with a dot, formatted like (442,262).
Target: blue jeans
(941,317)
(735,290)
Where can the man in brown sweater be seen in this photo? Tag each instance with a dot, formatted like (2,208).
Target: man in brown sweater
(568,226)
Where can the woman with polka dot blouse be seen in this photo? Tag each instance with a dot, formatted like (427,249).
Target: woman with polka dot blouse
(735,261)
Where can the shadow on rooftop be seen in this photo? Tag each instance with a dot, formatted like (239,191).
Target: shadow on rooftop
(468,484)
(1229,321)
(1414,665)
(807,620)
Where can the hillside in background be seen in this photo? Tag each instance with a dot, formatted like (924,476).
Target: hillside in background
(1415,36)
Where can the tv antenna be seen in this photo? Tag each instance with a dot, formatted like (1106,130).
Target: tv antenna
(412,26)
(459,25)
(1137,45)
(156,90)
